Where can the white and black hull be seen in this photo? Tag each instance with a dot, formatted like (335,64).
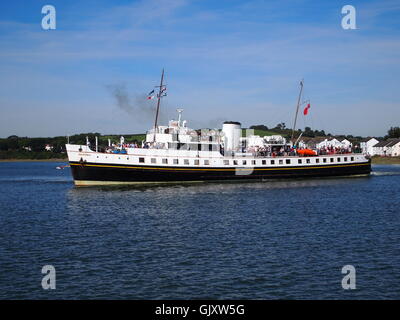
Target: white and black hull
(91,168)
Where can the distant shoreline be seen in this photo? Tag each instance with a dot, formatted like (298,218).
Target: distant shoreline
(385,160)
(34,160)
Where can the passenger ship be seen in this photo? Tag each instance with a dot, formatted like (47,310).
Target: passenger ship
(175,153)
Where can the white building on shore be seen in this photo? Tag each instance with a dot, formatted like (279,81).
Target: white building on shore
(389,148)
(367,146)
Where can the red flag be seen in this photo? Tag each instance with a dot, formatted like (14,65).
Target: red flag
(306,109)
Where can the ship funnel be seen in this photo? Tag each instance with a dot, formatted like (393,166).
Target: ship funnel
(232,132)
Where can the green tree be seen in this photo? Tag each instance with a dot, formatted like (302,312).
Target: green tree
(393,132)
(259,127)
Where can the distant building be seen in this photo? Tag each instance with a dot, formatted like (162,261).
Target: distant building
(335,143)
(390,148)
(346,143)
(394,147)
(48,147)
(366,146)
(27,148)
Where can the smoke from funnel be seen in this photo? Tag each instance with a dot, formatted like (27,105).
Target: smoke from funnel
(139,107)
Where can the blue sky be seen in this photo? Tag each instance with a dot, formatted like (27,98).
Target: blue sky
(224,60)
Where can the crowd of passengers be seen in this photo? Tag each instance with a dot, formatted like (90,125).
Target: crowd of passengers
(271,151)
(267,151)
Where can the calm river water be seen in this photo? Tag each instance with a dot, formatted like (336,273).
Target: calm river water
(271,240)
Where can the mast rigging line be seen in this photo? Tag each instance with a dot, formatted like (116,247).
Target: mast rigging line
(297,108)
(159,95)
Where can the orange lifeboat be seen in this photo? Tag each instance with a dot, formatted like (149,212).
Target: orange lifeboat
(306,152)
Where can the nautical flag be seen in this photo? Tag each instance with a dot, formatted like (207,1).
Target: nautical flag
(306,109)
(150,95)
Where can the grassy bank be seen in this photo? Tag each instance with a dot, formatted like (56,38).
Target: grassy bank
(385,160)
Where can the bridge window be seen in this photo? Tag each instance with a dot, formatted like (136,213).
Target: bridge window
(352,158)
(253,162)
(324,160)
(153,160)
(345,159)
(338,159)
(272,161)
(175,161)
(332,159)
(244,162)
(280,161)
(308,160)
(206,162)
(264,162)
(317,160)
(226,162)
(196,162)
(141,160)
(287,161)
(299,161)
(235,162)
(186,161)
(165,161)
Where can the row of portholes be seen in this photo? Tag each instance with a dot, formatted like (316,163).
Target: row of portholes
(247,162)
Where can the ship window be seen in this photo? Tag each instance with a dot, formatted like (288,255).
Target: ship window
(345,159)
(244,162)
(264,162)
(317,160)
(186,161)
(253,162)
(206,162)
(280,161)
(235,162)
(299,161)
(175,161)
(153,160)
(196,162)
(332,159)
(287,161)
(141,160)
(352,158)
(164,161)
(338,159)
(226,162)
(324,160)
(127,158)
(308,161)
(272,161)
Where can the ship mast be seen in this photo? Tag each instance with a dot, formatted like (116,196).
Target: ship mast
(160,92)
(297,108)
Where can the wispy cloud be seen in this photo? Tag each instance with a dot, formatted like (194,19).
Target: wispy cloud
(241,59)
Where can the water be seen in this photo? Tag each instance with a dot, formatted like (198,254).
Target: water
(281,239)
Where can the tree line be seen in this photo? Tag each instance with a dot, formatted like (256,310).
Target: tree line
(34,148)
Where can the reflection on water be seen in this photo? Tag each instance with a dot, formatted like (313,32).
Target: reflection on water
(273,239)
